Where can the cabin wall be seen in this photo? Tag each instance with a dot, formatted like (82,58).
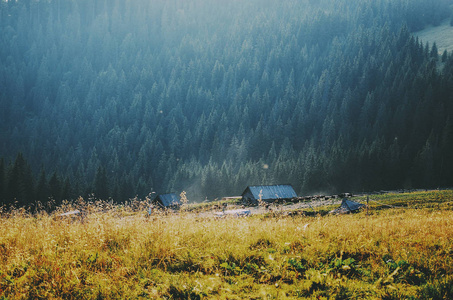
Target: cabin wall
(248,198)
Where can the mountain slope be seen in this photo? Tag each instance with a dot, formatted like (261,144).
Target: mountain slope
(128,97)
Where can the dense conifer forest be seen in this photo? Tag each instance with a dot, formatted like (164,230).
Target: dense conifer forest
(117,99)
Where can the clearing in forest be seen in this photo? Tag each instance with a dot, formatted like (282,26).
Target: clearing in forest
(442,35)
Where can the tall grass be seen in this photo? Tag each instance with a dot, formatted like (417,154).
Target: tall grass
(119,252)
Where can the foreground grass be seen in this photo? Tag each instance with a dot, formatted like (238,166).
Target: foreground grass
(116,253)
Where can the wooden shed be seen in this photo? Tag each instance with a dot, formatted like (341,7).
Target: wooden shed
(167,201)
(268,193)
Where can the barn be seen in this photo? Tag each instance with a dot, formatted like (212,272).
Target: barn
(167,201)
(267,193)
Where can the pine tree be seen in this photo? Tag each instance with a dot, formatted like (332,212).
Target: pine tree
(2,182)
(101,190)
(42,188)
(55,187)
(20,182)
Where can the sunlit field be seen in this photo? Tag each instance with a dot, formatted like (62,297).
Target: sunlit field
(118,252)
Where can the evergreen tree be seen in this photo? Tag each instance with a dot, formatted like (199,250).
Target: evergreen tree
(2,182)
(42,188)
(55,188)
(20,182)
(101,186)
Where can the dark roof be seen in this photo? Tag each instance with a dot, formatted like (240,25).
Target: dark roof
(280,191)
(168,200)
(347,206)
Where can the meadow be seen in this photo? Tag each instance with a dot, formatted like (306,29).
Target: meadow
(442,35)
(118,252)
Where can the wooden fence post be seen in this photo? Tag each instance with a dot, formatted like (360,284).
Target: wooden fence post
(367,202)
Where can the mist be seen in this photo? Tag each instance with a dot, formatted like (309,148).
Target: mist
(123,98)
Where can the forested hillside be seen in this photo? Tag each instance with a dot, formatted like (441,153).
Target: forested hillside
(125,97)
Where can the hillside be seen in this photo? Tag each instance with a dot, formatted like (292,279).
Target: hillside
(120,99)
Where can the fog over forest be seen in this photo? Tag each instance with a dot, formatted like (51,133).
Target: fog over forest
(121,98)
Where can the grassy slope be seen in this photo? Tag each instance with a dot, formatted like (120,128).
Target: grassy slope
(117,253)
(442,35)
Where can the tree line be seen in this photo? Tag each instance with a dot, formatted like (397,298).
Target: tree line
(122,98)
(20,187)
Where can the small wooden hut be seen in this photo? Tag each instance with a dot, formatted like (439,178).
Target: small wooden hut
(167,201)
(268,193)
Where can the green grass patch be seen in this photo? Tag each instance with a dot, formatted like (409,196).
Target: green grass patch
(442,35)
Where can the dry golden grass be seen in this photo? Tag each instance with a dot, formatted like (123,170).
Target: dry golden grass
(118,253)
